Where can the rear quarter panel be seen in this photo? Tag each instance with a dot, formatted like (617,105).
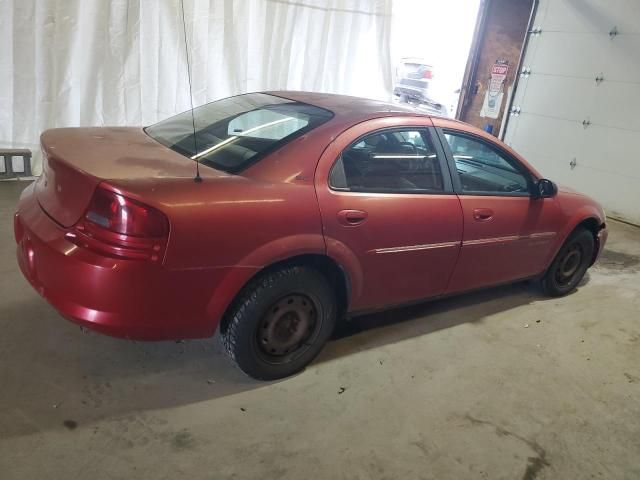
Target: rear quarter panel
(233,220)
(234,224)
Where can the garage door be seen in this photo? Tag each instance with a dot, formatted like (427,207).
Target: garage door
(576,109)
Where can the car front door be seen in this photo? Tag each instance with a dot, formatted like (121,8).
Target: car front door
(389,213)
(508,234)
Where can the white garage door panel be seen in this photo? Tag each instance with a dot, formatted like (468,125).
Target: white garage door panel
(588,15)
(613,105)
(520,94)
(557,96)
(562,54)
(617,194)
(585,55)
(614,151)
(617,58)
(563,16)
(603,167)
(511,132)
(573,48)
(544,144)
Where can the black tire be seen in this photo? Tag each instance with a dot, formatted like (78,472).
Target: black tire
(570,264)
(280,322)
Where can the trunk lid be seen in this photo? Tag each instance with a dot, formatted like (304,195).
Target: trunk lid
(76,160)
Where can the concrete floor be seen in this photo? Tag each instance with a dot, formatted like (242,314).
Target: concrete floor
(498,384)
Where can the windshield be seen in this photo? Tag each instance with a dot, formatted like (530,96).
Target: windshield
(235,132)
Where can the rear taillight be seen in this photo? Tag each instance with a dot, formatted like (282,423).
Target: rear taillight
(122,215)
(427,74)
(119,226)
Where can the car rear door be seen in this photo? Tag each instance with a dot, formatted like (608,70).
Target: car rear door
(389,213)
(508,234)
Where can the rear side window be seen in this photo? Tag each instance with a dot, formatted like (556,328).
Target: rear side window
(235,132)
(395,161)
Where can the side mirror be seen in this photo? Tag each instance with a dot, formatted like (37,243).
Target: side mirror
(545,188)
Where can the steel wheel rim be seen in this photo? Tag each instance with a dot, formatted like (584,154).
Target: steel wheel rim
(569,265)
(288,328)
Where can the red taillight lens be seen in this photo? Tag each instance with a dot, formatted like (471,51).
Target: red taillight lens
(122,215)
(119,226)
(427,74)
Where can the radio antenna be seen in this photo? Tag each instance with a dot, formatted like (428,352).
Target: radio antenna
(197,178)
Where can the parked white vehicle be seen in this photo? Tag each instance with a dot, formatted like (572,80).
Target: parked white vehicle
(413,77)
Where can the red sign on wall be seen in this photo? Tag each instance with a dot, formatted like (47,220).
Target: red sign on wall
(499,69)
(493,96)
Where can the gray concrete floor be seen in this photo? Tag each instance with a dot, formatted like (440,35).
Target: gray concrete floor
(459,388)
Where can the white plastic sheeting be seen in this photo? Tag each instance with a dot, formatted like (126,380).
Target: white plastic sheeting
(122,62)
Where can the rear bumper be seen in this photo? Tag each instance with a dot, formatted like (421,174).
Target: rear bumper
(123,298)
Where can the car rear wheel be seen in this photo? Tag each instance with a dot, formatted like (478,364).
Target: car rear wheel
(280,322)
(570,264)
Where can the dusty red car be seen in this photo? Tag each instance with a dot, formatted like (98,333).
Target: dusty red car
(307,208)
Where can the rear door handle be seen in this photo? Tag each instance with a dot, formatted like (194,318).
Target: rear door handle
(482,214)
(351,218)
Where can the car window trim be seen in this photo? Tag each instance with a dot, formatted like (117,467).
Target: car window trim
(429,132)
(455,176)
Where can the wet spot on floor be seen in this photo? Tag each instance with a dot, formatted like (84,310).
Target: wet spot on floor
(182,440)
(70,424)
(535,463)
(421,446)
(618,261)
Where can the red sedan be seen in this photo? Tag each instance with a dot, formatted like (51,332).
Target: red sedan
(306,208)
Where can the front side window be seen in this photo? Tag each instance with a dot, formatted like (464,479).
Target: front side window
(234,132)
(481,169)
(391,161)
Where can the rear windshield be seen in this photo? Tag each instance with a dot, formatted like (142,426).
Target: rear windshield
(235,132)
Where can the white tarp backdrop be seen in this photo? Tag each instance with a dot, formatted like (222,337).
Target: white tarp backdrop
(122,62)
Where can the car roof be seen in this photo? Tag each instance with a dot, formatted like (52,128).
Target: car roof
(348,108)
(352,110)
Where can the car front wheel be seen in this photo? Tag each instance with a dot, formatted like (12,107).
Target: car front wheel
(570,264)
(280,322)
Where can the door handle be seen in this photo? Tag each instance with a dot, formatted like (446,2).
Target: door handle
(351,218)
(482,214)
